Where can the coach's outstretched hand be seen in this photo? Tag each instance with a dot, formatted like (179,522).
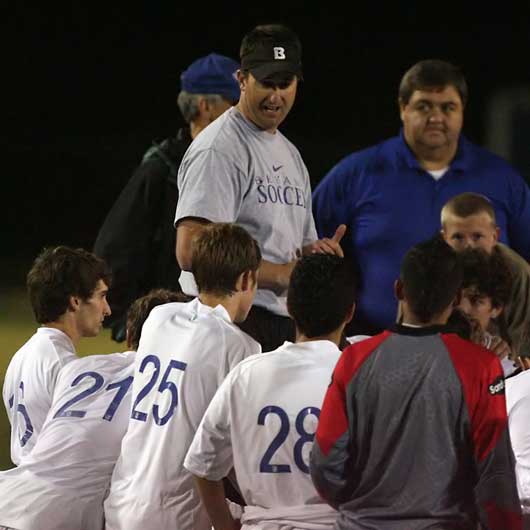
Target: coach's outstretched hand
(328,245)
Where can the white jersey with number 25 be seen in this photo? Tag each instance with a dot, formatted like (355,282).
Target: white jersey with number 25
(185,352)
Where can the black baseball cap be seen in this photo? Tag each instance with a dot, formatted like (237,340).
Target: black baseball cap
(275,53)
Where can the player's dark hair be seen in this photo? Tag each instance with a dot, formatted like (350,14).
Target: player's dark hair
(467,204)
(432,74)
(431,273)
(139,311)
(487,275)
(221,253)
(321,291)
(59,273)
(459,323)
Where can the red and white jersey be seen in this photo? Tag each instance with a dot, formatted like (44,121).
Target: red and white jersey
(63,482)
(185,352)
(29,384)
(518,404)
(262,422)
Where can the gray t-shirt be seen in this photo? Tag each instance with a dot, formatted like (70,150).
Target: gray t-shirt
(235,172)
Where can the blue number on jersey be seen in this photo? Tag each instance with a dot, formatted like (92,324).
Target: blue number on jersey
(98,383)
(135,414)
(63,412)
(265,466)
(305,437)
(21,408)
(165,384)
(123,386)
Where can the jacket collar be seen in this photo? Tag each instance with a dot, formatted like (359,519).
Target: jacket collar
(461,162)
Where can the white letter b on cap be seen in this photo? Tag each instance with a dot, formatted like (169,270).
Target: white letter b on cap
(279,52)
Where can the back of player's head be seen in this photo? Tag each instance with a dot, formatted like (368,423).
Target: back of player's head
(59,273)
(139,311)
(432,74)
(467,204)
(431,274)
(221,253)
(321,293)
(487,275)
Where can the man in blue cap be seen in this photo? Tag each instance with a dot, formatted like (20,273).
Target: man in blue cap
(137,239)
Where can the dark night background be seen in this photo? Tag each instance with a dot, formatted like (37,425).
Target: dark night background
(90,88)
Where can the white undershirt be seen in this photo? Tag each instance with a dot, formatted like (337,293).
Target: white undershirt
(437,174)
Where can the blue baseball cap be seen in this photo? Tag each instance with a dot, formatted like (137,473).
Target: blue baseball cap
(213,74)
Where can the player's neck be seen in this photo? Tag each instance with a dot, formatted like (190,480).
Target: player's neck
(411,319)
(68,328)
(230,303)
(334,336)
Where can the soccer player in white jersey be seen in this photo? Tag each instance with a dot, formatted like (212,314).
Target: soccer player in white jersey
(263,418)
(185,352)
(62,483)
(67,288)
(518,405)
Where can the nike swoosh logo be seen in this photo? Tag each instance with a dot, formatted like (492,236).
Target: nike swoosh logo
(276,168)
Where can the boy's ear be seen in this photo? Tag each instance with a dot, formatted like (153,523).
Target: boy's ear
(496,311)
(458,298)
(349,314)
(245,281)
(497,233)
(73,303)
(398,289)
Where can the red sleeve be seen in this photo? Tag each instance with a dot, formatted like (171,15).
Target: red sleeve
(482,380)
(333,422)
(331,453)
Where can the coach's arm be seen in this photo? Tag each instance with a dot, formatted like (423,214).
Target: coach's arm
(273,276)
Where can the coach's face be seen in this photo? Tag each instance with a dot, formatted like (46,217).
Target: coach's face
(92,311)
(432,119)
(266,103)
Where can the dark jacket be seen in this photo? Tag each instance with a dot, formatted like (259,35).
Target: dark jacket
(137,238)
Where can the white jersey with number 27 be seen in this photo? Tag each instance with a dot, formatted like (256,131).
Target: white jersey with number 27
(61,484)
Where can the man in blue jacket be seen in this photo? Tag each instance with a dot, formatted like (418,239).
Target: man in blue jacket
(391,194)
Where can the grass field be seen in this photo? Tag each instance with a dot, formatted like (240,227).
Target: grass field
(16,326)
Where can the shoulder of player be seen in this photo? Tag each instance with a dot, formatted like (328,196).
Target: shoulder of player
(162,313)
(41,349)
(111,362)
(469,354)
(232,335)
(519,267)
(288,353)
(518,388)
(251,364)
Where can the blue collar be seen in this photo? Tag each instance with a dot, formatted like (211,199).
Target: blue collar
(461,162)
